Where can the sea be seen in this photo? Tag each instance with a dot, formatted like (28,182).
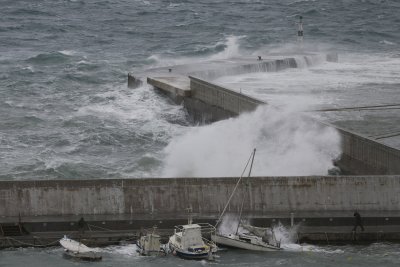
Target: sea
(66,111)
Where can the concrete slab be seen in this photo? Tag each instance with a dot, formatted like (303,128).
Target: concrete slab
(178,85)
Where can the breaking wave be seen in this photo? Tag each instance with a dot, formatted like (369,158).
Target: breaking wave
(287,142)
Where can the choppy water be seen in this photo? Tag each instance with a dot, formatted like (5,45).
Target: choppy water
(307,255)
(66,111)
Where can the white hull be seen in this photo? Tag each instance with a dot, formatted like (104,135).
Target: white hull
(74,249)
(234,241)
(74,246)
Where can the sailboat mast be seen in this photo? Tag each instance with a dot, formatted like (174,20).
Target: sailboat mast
(241,207)
(234,189)
(252,161)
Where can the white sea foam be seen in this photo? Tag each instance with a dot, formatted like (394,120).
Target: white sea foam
(29,68)
(327,84)
(287,143)
(387,42)
(231,50)
(228,224)
(288,238)
(126,250)
(68,52)
(140,105)
(285,235)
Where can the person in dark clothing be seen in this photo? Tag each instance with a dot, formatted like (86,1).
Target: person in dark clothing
(81,225)
(357,222)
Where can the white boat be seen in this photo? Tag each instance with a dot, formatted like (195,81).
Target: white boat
(256,238)
(149,244)
(78,250)
(244,241)
(187,241)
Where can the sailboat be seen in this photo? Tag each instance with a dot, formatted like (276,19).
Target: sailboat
(256,238)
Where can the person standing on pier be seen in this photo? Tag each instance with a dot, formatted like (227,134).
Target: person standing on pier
(357,222)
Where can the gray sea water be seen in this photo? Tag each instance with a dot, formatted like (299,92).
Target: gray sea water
(66,112)
(311,256)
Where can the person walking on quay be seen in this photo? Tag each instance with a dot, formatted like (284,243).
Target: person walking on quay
(357,222)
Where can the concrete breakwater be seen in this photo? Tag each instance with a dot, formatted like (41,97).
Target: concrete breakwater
(172,196)
(117,209)
(207,102)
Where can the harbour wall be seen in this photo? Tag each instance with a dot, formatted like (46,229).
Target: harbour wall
(209,102)
(360,155)
(260,66)
(170,197)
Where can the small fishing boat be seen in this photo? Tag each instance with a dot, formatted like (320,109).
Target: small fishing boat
(149,244)
(77,250)
(187,241)
(256,238)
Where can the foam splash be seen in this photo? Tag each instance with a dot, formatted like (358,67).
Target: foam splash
(287,143)
(287,236)
(360,77)
(311,248)
(67,52)
(231,49)
(229,224)
(141,106)
(126,250)
(385,42)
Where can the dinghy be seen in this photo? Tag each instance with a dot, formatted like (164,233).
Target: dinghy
(77,250)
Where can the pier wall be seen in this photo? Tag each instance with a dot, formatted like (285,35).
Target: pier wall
(210,102)
(221,97)
(260,66)
(172,196)
(360,155)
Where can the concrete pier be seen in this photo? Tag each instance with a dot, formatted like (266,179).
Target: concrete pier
(117,209)
(207,102)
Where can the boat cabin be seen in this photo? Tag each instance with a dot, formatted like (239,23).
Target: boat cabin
(190,238)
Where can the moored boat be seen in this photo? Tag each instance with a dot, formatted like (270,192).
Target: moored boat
(256,238)
(77,250)
(149,244)
(244,241)
(187,241)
